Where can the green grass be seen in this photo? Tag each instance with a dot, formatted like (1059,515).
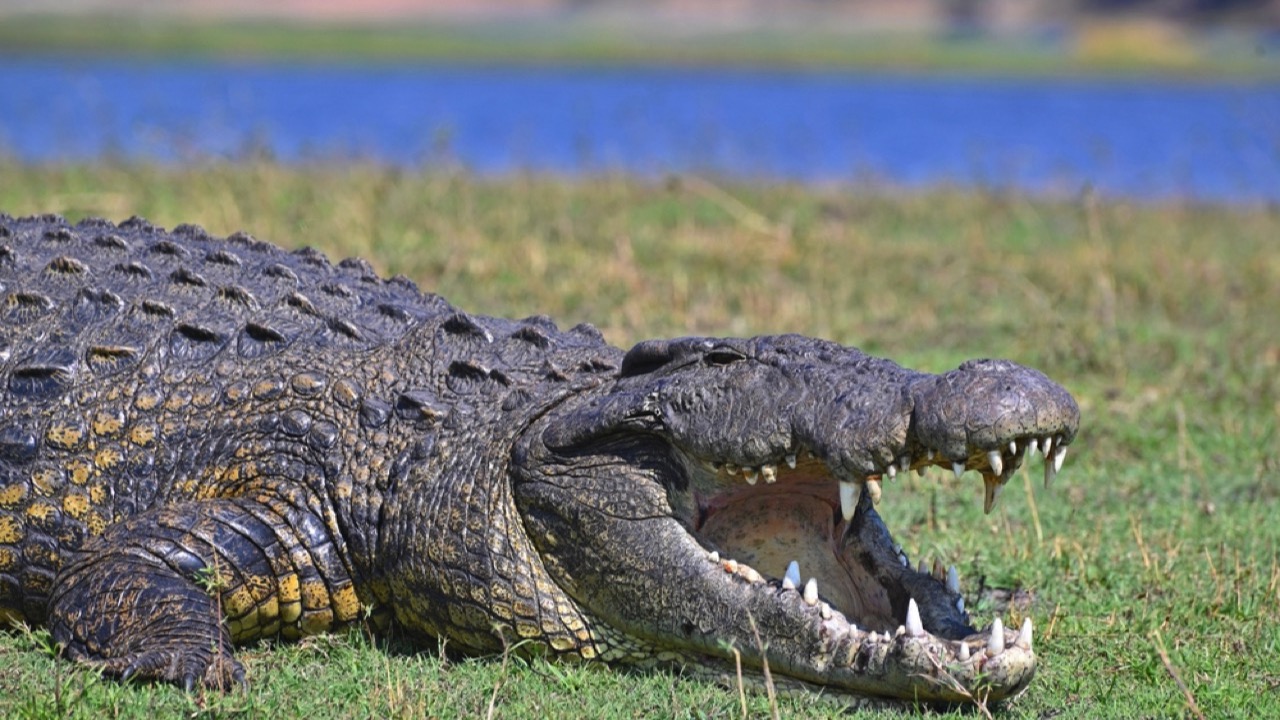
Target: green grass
(561,41)
(1159,536)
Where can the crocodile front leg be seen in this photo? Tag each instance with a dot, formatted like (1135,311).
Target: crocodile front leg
(164,595)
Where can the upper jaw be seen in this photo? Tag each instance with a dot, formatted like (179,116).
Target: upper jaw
(996,463)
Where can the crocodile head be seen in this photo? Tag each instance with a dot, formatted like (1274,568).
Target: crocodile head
(716,505)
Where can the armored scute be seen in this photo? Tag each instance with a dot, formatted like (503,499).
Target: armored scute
(208,441)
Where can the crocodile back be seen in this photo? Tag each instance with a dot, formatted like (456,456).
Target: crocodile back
(129,357)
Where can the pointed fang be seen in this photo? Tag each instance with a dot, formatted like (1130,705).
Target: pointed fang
(1024,635)
(1058,456)
(751,475)
(995,643)
(791,580)
(873,487)
(914,627)
(1033,446)
(811,591)
(849,492)
(791,460)
(953,580)
(997,462)
(957,467)
(769,473)
(964,652)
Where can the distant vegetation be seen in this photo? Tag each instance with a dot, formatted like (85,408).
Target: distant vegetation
(1125,47)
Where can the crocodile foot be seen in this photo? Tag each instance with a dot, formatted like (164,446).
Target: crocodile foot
(132,619)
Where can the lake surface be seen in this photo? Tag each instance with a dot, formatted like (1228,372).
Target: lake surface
(1143,139)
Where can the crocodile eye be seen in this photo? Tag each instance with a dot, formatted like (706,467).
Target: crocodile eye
(723,356)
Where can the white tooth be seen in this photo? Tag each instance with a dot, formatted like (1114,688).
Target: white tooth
(1058,456)
(1049,472)
(811,591)
(1024,635)
(791,460)
(714,556)
(960,605)
(1033,447)
(751,475)
(957,467)
(997,462)
(769,473)
(1013,447)
(825,609)
(923,470)
(930,455)
(1047,446)
(953,580)
(791,580)
(731,565)
(902,557)
(893,471)
(902,630)
(995,643)
(751,574)
(914,626)
(873,487)
(849,492)
(964,651)
(904,463)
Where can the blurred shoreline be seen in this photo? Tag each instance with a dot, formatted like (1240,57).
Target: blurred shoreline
(1117,46)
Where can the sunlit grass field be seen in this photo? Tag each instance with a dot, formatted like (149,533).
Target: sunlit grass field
(1151,568)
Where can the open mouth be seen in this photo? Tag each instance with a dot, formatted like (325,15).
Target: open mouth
(795,527)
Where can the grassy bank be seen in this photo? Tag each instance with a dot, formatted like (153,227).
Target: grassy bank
(1150,568)
(1096,49)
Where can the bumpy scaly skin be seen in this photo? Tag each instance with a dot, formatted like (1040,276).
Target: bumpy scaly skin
(208,441)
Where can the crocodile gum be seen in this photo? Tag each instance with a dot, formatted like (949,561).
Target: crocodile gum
(208,441)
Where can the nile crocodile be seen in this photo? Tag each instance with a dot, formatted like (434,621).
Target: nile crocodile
(208,441)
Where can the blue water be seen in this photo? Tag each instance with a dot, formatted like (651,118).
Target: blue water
(1143,139)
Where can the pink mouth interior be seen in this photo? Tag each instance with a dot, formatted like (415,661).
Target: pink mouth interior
(768,526)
